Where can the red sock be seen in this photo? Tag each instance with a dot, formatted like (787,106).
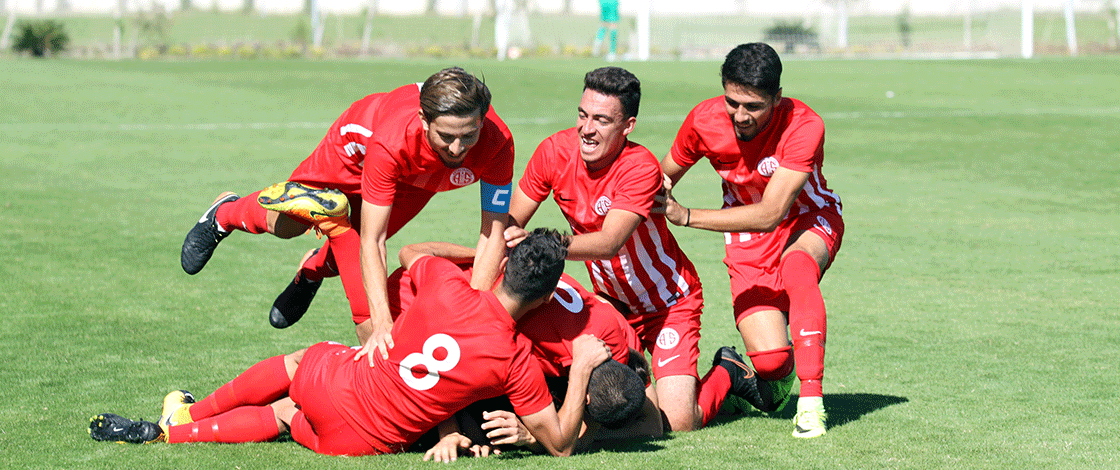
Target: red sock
(244,214)
(320,265)
(713,390)
(345,250)
(262,384)
(807,322)
(243,424)
(773,364)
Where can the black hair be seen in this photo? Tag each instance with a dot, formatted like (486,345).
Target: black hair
(616,394)
(535,264)
(754,65)
(619,83)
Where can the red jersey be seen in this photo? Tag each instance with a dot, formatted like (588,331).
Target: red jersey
(551,327)
(379,141)
(794,139)
(574,311)
(454,346)
(650,272)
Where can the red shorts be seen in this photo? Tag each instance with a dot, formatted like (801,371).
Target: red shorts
(753,264)
(672,336)
(318,425)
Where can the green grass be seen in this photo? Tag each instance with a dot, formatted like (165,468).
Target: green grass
(972,309)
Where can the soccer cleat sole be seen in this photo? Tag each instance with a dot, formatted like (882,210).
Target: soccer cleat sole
(304,202)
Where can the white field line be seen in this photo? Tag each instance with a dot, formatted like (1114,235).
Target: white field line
(233,126)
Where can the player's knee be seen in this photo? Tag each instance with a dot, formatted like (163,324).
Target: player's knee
(774,364)
(284,227)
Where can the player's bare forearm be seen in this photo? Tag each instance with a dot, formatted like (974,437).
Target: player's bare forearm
(490,250)
(374,273)
(449,251)
(618,227)
(763,216)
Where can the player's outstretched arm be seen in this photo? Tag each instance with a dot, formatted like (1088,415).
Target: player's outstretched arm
(558,432)
(521,209)
(375,222)
(618,227)
(763,216)
(490,250)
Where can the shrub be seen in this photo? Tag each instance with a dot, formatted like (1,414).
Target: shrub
(791,34)
(40,37)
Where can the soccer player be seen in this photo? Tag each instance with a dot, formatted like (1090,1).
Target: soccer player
(782,224)
(384,157)
(608,23)
(455,345)
(605,187)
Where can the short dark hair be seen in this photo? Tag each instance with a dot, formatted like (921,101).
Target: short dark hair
(616,394)
(619,83)
(755,65)
(535,264)
(453,91)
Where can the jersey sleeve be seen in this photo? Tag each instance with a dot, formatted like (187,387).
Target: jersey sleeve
(802,144)
(537,180)
(687,147)
(379,175)
(637,187)
(525,386)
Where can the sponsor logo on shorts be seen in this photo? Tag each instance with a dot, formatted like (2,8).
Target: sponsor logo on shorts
(767,166)
(668,338)
(462,177)
(807,333)
(602,205)
(662,362)
(823,225)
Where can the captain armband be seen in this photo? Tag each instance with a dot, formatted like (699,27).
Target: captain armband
(496,198)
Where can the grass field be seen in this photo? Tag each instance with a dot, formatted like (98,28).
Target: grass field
(973,307)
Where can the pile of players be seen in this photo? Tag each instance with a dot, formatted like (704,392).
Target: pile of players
(465,349)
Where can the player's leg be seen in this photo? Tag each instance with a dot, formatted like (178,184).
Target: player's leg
(674,353)
(676,395)
(314,420)
(813,244)
(262,384)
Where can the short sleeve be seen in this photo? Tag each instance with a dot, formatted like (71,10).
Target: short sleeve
(537,180)
(687,146)
(379,175)
(525,386)
(802,144)
(638,186)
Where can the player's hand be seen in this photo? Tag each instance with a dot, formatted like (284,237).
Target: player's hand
(449,447)
(503,427)
(588,352)
(674,212)
(514,235)
(381,340)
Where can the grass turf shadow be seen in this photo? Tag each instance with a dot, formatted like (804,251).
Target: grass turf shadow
(842,408)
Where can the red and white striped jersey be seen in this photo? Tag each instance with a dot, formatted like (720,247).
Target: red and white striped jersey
(794,139)
(650,272)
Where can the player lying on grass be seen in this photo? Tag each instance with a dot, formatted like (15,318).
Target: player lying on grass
(605,186)
(617,405)
(456,345)
(782,224)
(384,157)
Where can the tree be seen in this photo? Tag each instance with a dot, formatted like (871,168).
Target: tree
(41,37)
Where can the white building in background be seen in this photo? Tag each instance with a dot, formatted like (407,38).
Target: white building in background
(583,7)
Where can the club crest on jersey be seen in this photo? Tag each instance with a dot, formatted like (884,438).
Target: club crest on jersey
(602,205)
(462,177)
(668,338)
(767,166)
